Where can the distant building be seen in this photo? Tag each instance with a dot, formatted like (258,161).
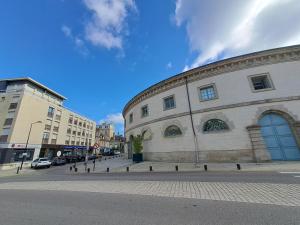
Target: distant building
(24,101)
(118,143)
(105,132)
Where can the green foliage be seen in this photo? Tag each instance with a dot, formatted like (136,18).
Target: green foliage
(137,144)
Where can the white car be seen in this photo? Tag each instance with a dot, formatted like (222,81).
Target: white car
(40,162)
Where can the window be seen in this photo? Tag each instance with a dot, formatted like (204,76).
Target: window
(69,130)
(74,132)
(169,102)
(8,122)
(172,131)
(58,115)
(3,138)
(67,142)
(80,124)
(71,120)
(130,117)
(13,106)
(144,111)
(75,121)
(45,138)
(47,127)
(50,112)
(207,93)
(215,125)
(261,82)
(54,139)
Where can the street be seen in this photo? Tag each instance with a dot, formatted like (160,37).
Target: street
(59,196)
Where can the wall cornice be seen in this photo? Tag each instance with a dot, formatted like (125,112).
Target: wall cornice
(229,106)
(272,56)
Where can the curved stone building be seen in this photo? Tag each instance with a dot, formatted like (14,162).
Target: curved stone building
(245,108)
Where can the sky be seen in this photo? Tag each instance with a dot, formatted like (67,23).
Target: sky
(101,53)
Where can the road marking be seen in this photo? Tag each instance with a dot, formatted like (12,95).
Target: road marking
(297,176)
(290,172)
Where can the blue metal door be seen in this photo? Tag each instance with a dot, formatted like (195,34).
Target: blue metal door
(279,138)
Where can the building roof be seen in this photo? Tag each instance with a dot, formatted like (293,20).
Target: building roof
(32,81)
(270,56)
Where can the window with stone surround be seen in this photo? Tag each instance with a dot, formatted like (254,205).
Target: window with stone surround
(172,131)
(261,82)
(213,125)
(169,102)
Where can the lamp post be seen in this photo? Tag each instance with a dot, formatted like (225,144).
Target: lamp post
(27,142)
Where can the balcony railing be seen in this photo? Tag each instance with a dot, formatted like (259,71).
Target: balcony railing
(45,140)
(58,117)
(53,141)
(55,129)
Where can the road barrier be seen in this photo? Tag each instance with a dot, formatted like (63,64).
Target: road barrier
(88,170)
(70,168)
(176,167)
(150,168)
(107,169)
(238,166)
(205,167)
(127,168)
(76,169)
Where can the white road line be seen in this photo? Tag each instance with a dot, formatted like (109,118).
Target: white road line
(290,172)
(297,176)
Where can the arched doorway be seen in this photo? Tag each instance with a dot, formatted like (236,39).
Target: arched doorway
(278,137)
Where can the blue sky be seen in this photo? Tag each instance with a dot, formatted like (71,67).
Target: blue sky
(100,53)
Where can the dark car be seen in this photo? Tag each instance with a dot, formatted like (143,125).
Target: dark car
(58,161)
(107,152)
(92,157)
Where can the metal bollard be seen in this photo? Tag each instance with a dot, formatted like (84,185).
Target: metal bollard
(176,167)
(205,167)
(127,168)
(107,169)
(238,166)
(71,168)
(18,170)
(150,168)
(76,169)
(88,170)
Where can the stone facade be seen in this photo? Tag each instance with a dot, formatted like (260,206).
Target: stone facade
(236,103)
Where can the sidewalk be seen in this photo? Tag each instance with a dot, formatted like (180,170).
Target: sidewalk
(254,167)
(13,172)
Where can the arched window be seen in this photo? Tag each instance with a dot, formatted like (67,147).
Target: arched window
(215,125)
(172,131)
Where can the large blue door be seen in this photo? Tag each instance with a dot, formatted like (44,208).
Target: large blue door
(279,138)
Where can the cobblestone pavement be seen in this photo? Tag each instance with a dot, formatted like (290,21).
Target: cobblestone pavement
(264,193)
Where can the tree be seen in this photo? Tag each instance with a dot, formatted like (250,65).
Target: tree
(138,144)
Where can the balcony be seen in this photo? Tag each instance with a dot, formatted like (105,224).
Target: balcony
(53,141)
(55,129)
(58,117)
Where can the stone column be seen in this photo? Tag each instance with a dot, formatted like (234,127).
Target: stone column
(260,152)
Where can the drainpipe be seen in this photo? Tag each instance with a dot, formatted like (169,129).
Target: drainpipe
(192,122)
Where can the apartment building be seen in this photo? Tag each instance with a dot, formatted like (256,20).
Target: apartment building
(34,121)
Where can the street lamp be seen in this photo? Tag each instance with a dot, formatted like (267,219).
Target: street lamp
(25,155)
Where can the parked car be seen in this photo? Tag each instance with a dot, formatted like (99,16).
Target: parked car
(107,152)
(92,157)
(116,152)
(58,161)
(41,162)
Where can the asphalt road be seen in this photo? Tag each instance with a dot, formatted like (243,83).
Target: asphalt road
(72,208)
(61,173)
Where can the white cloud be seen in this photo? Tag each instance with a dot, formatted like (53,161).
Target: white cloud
(107,26)
(79,43)
(116,118)
(219,29)
(169,65)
